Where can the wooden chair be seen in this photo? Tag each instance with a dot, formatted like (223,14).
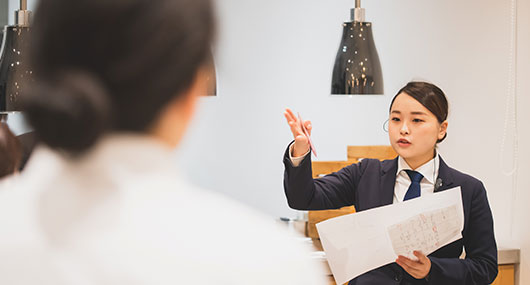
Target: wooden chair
(380,152)
(506,275)
(355,153)
(314,217)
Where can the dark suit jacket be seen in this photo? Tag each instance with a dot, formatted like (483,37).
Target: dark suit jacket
(369,184)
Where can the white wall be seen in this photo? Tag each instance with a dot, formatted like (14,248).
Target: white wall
(4,7)
(15,5)
(521,210)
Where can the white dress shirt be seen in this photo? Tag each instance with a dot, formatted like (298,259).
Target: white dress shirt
(121,214)
(429,170)
(298,159)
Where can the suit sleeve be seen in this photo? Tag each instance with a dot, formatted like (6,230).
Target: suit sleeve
(330,192)
(480,264)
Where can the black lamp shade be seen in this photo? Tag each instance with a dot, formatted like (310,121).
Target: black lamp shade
(211,81)
(14,71)
(357,69)
(211,77)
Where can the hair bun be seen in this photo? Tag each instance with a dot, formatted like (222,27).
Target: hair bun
(68,111)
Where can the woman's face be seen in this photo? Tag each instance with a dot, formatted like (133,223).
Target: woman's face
(414,130)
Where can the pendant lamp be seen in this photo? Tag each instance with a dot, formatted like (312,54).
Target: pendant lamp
(211,79)
(14,72)
(357,70)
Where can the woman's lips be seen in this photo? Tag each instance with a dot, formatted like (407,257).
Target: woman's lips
(403,143)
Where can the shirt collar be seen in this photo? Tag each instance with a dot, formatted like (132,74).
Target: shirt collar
(429,170)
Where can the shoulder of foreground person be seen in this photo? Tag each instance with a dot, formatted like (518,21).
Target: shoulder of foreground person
(230,236)
(152,229)
(168,231)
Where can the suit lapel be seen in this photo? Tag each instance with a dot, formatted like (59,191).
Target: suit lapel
(388,181)
(444,173)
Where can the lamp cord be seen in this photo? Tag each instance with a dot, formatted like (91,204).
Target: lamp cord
(510,113)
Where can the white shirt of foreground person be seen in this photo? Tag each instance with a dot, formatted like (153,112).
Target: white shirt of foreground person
(121,215)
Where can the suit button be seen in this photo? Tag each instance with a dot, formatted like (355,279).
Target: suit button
(397,278)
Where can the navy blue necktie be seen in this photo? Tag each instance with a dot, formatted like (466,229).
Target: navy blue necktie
(414,188)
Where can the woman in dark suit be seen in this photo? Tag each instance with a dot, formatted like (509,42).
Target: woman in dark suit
(417,123)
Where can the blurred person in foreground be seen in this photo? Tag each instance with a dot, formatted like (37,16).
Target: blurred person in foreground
(10,152)
(100,201)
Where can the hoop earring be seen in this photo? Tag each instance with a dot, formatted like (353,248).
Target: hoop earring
(385,126)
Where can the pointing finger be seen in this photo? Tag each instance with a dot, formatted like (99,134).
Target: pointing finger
(291,114)
(288,116)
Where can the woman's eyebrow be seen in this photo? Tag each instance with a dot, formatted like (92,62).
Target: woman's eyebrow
(395,112)
(418,113)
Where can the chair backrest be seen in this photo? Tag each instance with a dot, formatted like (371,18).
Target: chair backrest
(355,153)
(315,217)
(326,167)
(381,152)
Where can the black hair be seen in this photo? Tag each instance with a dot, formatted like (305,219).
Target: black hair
(430,96)
(10,151)
(107,66)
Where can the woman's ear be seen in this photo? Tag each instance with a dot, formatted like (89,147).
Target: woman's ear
(443,130)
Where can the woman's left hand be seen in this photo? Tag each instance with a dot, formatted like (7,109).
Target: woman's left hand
(418,269)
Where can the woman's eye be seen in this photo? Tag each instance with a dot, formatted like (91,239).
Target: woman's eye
(417,120)
(395,119)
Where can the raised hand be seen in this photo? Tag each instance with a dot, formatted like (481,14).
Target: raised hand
(301,141)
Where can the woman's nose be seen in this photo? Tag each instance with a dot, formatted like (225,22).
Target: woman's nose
(404,129)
